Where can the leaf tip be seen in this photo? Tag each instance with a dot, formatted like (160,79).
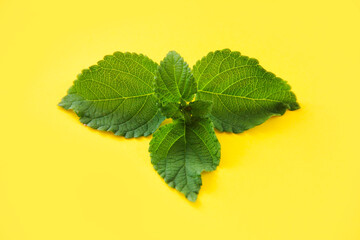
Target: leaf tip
(173,52)
(64,104)
(192,197)
(294,106)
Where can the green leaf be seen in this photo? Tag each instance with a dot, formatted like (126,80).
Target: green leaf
(117,95)
(180,152)
(243,93)
(172,110)
(188,112)
(201,108)
(174,80)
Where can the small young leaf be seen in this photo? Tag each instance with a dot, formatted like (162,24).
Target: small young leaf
(180,152)
(117,95)
(243,93)
(174,80)
(172,110)
(200,108)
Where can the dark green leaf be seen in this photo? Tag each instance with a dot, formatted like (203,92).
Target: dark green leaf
(172,110)
(200,108)
(180,152)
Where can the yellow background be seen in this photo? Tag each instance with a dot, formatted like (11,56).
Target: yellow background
(295,177)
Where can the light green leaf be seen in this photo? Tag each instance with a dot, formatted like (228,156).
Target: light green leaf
(174,80)
(243,93)
(117,95)
(180,152)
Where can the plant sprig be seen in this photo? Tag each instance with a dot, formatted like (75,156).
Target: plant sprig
(225,90)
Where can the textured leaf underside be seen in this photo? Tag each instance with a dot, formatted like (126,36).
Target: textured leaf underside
(180,152)
(117,95)
(243,93)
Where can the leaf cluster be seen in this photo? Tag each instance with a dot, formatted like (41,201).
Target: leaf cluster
(131,95)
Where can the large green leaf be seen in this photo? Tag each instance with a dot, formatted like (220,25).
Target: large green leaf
(117,95)
(180,152)
(174,80)
(243,93)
